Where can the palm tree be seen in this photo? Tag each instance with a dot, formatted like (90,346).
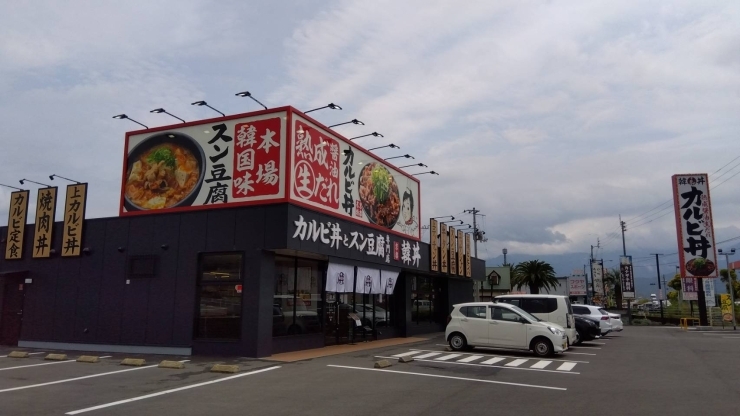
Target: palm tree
(612,279)
(536,275)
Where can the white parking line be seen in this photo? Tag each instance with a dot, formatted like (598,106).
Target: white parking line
(431,354)
(30,353)
(516,363)
(731,337)
(470,358)
(566,366)
(494,360)
(447,357)
(448,377)
(541,364)
(485,366)
(583,346)
(404,354)
(553,359)
(595,343)
(148,396)
(576,353)
(37,365)
(80,378)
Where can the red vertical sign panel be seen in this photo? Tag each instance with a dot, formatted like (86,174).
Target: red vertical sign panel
(257,158)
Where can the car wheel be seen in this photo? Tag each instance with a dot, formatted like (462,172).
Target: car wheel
(579,338)
(458,342)
(542,347)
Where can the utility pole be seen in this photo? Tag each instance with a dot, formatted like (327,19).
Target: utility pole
(624,228)
(729,280)
(623,225)
(591,269)
(477,235)
(657,264)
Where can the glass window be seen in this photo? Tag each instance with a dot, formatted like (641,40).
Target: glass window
(511,301)
(503,314)
(219,300)
(539,305)
(297,300)
(478,312)
(423,305)
(580,310)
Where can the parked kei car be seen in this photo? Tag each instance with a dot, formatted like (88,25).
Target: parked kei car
(586,330)
(501,325)
(596,314)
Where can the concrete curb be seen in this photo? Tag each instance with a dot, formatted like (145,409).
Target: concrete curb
(56,357)
(88,359)
(382,364)
(224,368)
(171,364)
(18,354)
(405,359)
(136,362)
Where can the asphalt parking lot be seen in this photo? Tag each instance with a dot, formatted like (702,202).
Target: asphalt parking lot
(643,370)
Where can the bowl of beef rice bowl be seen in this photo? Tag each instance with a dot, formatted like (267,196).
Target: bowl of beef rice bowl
(378,192)
(165,170)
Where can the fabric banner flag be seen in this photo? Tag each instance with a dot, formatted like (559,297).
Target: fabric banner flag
(368,280)
(340,278)
(597,278)
(627,278)
(389,279)
(453,251)
(709,293)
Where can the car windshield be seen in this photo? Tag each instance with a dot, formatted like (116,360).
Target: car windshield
(525,314)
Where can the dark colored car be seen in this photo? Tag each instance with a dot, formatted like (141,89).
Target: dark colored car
(586,329)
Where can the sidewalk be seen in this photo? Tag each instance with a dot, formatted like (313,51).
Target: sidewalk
(288,357)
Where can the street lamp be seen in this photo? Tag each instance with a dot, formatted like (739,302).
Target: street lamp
(124,116)
(203,103)
(162,110)
(729,280)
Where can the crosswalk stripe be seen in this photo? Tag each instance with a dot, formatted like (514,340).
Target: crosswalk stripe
(447,357)
(470,358)
(431,354)
(566,366)
(516,363)
(493,360)
(541,364)
(405,354)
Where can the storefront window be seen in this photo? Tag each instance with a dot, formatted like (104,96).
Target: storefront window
(297,301)
(422,299)
(219,296)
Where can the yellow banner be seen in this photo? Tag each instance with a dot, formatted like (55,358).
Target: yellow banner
(74,216)
(17,214)
(726,304)
(453,251)
(46,205)
(444,241)
(468,253)
(460,253)
(434,246)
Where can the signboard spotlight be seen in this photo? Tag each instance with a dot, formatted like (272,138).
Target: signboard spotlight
(203,103)
(52,176)
(330,105)
(392,146)
(407,156)
(162,110)
(248,94)
(12,187)
(124,116)
(415,164)
(353,121)
(375,133)
(422,173)
(37,183)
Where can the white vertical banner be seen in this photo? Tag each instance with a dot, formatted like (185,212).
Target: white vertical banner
(389,280)
(598,278)
(340,278)
(709,293)
(368,280)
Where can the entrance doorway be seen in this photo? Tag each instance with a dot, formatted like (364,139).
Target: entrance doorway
(11,317)
(372,310)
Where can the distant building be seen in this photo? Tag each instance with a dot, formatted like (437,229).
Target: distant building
(497,282)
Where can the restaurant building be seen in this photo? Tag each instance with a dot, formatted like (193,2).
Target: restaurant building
(245,235)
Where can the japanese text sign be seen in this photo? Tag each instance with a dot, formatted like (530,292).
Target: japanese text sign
(577,283)
(627,277)
(74,217)
(434,245)
(46,205)
(453,251)
(213,163)
(694,226)
(468,253)
(461,253)
(17,214)
(444,242)
(597,278)
(330,174)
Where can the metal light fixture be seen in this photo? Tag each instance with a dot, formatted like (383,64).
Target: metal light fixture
(124,116)
(445,222)
(353,121)
(162,110)
(37,183)
(203,103)
(375,133)
(330,105)
(422,173)
(407,156)
(452,217)
(248,94)
(415,164)
(12,187)
(57,176)
(392,146)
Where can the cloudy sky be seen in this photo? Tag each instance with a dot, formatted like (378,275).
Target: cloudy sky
(550,117)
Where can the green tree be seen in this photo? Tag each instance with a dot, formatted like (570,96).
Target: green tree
(535,274)
(612,279)
(675,283)
(735,283)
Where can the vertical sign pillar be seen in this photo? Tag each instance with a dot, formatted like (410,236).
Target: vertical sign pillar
(46,205)
(468,271)
(453,251)
(74,216)
(461,253)
(17,214)
(433,245)
(444,241)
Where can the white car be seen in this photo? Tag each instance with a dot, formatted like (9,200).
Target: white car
(501,325)
(596,314)
(615,320)
(550,308)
